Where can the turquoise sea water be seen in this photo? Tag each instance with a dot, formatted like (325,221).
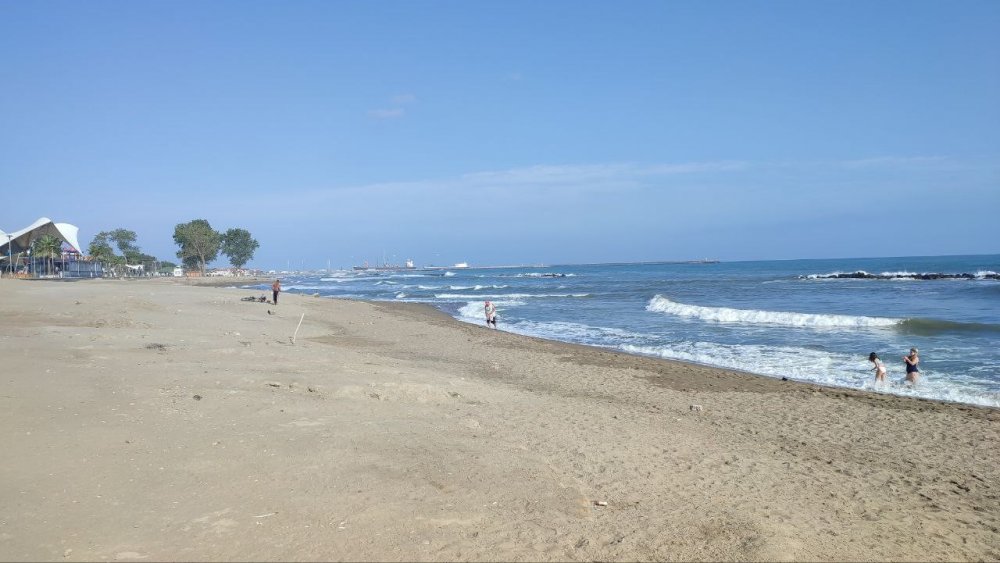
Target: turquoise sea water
(793,319)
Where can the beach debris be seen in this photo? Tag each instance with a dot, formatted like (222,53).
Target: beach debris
(297,328)
(196,397)
(600,503)
(269,514)
(269,312)
(582,543)
(784,379)
(696,408)
(67,553)
(156,346)
(272,384)
(311,389)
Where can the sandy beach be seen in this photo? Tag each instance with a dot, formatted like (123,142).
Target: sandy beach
(156,420)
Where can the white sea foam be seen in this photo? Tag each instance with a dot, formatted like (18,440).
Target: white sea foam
(817,366)
(449,274)
(300,287)
(400,295)
(474,311)
(463,296)
(660,304)
(577,332)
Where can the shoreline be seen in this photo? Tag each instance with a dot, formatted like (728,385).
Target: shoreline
(215,282)
(149,420)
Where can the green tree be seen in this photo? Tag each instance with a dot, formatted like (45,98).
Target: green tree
(197,240)
(191,263)
(239,246)
(49,247)
(124,239)
(100,247)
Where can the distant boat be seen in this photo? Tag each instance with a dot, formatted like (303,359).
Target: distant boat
(386,267)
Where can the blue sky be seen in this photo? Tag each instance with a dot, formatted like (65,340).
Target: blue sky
(509,132)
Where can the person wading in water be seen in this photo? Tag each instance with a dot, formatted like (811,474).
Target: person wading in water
(491,314)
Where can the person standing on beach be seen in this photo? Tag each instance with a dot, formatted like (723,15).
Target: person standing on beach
(879,368)
(912,371)
(276,289)
(491,314)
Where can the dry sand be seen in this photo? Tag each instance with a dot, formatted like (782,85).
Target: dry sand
(153,420)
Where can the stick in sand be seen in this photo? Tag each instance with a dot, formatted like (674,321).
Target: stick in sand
(297,328)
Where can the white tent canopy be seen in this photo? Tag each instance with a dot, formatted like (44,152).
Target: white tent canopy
(20,241)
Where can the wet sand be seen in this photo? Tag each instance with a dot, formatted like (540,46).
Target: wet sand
(153,420)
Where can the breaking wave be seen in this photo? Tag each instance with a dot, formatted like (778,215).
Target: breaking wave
(660,304)
(460,296)
(929,327)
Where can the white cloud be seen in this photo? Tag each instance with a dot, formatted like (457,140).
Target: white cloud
(898,162)
(396,111)
(582,174)
(403,99)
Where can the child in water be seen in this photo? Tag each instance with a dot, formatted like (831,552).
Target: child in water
(879,368)
(912,371)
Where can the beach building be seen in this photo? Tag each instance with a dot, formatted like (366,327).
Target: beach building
(15,251)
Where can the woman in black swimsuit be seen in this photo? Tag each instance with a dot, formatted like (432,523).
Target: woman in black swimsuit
(912,371)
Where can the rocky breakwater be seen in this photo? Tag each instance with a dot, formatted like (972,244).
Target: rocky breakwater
(862,275)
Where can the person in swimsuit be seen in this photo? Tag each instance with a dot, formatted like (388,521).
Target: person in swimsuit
(879,368)
(912,371)
(276,289)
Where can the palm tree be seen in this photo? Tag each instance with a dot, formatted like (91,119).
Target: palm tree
(47,246)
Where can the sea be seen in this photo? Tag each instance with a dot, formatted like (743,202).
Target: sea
(805,320)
